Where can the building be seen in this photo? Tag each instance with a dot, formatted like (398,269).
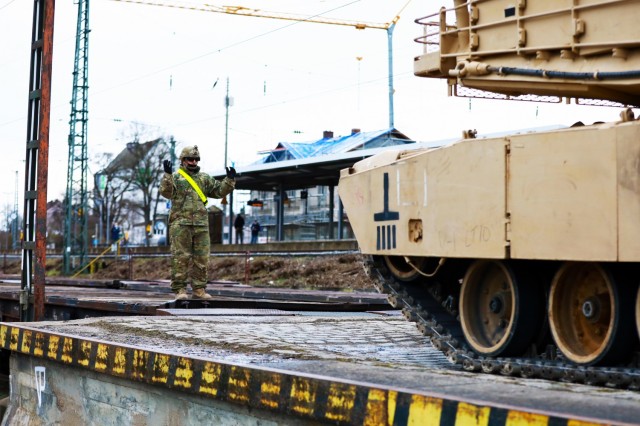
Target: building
(126,194)
(292,187)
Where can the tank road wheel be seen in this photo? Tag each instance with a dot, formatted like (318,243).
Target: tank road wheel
(500,315)
(403,271)
(588,314)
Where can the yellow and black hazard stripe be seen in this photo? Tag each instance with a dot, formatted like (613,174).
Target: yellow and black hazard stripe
(288,393)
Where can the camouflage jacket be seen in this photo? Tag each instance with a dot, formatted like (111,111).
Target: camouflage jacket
(186,206)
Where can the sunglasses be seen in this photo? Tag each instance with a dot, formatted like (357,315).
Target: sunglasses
(191,158)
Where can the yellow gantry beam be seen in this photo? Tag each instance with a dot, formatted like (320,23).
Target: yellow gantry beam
(258,13)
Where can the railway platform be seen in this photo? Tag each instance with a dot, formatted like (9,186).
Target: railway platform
(270,366)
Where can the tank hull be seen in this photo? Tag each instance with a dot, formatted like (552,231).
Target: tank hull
(571,194)
(517,239)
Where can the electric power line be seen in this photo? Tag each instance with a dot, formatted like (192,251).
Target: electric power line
(2,7)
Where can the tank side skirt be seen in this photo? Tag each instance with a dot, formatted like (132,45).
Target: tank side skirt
(436,317)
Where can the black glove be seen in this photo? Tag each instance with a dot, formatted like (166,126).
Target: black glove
(168,168)
(231,173)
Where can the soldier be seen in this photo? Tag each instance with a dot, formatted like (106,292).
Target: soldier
(188,190)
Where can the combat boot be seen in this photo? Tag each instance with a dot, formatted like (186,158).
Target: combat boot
(182,294)
(199,293)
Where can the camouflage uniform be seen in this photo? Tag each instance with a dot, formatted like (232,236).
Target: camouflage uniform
(189,222)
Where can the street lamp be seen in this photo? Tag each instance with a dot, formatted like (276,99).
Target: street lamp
(228,101)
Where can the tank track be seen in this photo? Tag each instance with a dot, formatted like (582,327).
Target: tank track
(436,316)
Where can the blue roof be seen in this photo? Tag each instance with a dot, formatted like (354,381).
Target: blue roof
(334,145)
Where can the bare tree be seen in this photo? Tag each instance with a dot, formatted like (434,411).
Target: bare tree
(136,131)
(126,187)
(110,192)
(11,221)
(145,177)
(55,223)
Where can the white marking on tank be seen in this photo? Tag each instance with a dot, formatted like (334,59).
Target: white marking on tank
(398,187)
(424,201)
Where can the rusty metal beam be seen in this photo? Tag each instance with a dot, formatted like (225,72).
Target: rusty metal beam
(37,163)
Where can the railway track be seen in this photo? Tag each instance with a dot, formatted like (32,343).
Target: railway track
(69,298)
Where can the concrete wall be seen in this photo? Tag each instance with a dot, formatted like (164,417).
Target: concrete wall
(71,396)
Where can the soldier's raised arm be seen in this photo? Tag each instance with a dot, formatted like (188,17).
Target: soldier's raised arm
(166,184)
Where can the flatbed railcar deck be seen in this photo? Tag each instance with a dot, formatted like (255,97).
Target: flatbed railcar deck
(248,366)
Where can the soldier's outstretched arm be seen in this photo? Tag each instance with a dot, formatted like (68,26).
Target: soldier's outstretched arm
(219,188)
(167,187)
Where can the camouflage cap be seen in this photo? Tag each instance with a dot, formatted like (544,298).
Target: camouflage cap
(190,151)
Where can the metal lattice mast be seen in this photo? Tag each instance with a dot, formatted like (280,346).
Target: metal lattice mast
(76,232)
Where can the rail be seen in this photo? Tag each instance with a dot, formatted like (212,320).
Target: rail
(246,251)
(100,256)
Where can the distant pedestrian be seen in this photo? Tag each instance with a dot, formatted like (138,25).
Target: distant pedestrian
(255,230)
(115,233)
(238,224)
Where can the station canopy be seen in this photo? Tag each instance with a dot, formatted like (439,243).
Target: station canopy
(302,165)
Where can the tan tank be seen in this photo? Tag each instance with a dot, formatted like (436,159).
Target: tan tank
(498,247)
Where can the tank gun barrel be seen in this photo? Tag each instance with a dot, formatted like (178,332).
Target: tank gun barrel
(546,49)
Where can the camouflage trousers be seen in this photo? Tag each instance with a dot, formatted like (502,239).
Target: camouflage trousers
(190,248)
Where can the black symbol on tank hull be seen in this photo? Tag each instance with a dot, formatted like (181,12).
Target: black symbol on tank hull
(386,233)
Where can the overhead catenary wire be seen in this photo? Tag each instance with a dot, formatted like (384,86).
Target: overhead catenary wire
(2,7)
(276,15)
(302,19)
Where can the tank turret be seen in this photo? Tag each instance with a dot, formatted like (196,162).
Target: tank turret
(588,51)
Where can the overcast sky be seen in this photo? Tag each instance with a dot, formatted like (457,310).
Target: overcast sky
(289,81)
